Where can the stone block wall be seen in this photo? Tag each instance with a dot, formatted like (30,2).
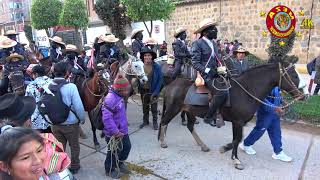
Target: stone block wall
(240,19)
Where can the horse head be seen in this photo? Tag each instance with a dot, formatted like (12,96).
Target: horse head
(136,67)
(102,72)
(16,80)
(291,81)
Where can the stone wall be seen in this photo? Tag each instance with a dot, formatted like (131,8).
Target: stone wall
(239,19)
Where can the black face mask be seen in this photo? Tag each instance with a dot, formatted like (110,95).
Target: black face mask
(54,45)
(139,36)
(212,32)
(71,55)
(13,37)
(183,36)
(108,44)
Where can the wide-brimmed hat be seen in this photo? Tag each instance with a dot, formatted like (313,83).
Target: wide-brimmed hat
(16,108)
(14,57)
(7,43)
(110,38)
(57,39)
(135,31)
(71,48)
(204,24)
(11,32)
(151,41)
(240,49)
(145,50)
(178,31)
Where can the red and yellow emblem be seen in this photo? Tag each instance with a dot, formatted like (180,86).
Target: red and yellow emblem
(281,21)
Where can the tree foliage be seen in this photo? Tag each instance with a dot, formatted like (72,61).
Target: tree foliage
(277,51)
(113,14)
(45,13)
(149,10)
(74,14)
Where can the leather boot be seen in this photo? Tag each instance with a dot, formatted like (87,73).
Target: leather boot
(211,118)
(155,122)
(145,120)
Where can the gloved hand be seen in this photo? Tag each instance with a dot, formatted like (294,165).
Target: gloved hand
(222,70)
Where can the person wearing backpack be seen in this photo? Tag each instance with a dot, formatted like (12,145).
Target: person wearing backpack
(35,90)
(67,131)
(116,128)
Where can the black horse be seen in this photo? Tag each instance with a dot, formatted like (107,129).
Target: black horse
(246,92)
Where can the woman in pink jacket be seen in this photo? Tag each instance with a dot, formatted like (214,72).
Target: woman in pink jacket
(116,127)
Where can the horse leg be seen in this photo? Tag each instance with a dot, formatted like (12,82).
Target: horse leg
(237,130)
(167,116)
(183,118)
(191,120)
(228,146)
(95,140)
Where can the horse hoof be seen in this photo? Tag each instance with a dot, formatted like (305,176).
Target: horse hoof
(205,149)
(164,145)
(184,123)
(239,166)
(222,149)
(97,146)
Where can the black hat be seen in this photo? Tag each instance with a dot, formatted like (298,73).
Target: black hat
(145,50)
(16,108)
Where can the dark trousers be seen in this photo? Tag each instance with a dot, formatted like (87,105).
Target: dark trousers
(145,98)
(70,134)
(316,90)
(270,123)
(4,84)
(48,130)
(177,68)
(110,162)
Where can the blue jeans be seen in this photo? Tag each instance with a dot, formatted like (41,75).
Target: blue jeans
(110,162)
(271,123)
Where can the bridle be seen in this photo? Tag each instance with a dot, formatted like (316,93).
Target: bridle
(99,83)
(128,70)
(284,75)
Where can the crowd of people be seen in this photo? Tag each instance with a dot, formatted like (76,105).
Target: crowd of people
(24,123)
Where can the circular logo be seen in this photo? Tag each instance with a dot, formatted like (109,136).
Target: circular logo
(281,21)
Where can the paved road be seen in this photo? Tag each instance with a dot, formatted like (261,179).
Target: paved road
(184,160)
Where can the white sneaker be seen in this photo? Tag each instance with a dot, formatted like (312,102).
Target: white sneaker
(247,149)
(282,157)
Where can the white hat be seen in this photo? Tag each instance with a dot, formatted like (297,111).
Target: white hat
(205,24)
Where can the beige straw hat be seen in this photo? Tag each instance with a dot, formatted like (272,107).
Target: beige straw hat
(135,31)
(57,39)
(205,24)
(7,43)
(110,38)
(178,31)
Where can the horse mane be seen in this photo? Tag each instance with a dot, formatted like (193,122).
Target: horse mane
(257,68)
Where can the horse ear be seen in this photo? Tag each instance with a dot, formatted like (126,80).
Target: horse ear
(131,57)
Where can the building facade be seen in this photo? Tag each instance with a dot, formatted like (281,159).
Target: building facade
(240,19)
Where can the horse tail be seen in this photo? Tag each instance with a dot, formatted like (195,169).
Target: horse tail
(163,112)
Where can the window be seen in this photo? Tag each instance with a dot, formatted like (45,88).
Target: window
(15,5)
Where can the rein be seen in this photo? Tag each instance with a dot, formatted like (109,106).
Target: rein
(281,75)
(97,95)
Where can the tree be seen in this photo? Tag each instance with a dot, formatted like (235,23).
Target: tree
(113,14)
(45,13)
(149,10)
(74,15)
(28,32)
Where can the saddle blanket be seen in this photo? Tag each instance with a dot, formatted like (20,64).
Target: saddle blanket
(194,98)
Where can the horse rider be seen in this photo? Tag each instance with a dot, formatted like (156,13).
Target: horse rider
(19,48)
(240,63)
(137,43)
(98,43)
(112,51)
(180,50)
(151,43)
(150,90)
(75,63)
(206,61)
(57,47)
(12,62)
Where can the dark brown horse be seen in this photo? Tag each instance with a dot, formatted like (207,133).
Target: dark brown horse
(95,87)
(246,94)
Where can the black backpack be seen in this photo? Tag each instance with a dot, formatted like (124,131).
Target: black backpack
(52,108)
(311,66)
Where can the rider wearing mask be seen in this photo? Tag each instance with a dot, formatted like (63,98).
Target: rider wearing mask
(56,49)
(111,52)
(18,48)
(75,63)
(180,49)
(12,61)
(206,61)
(137,43)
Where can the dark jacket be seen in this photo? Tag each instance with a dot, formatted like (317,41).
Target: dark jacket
(111,53)
(201,52)
(317,69)
(238,67)
(180,50)
(80,70)
(54,56)
(156,80)
(136,47)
